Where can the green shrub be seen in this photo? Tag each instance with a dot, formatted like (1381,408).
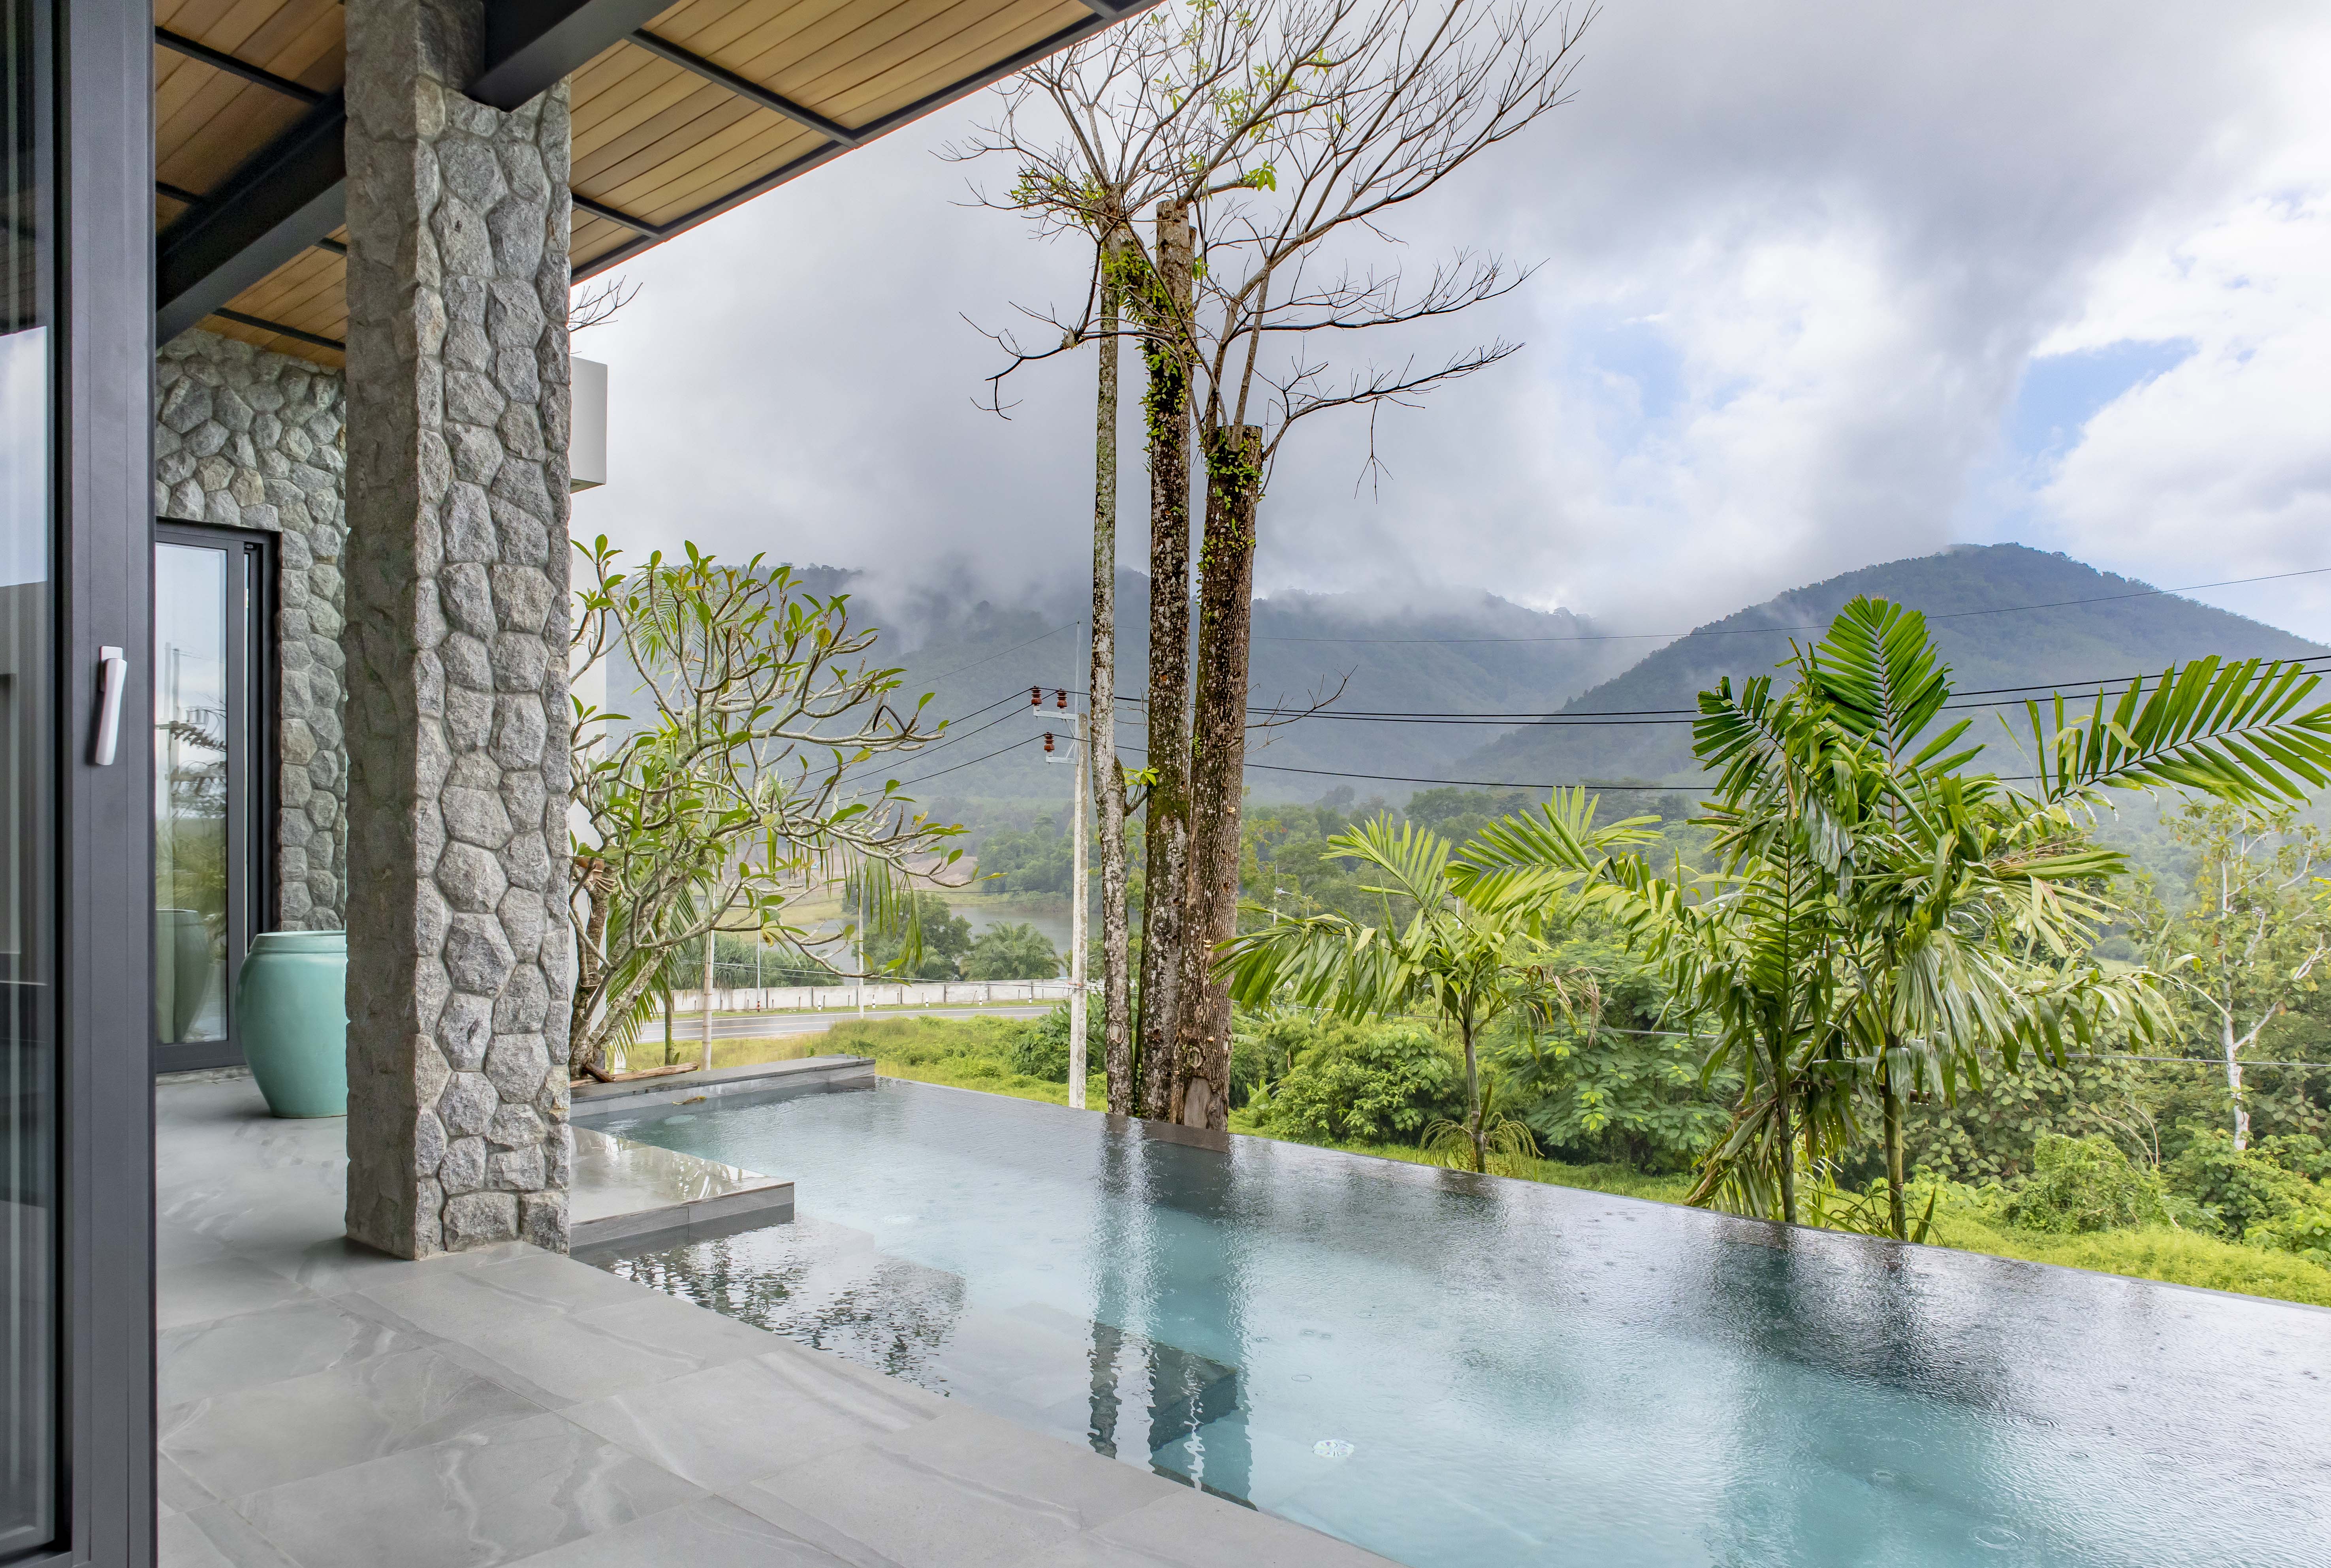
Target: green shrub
(2083,1184)
(1990,1134)
(2301,1153)
(1041,1050)
(1263,1048)
(1368,1084)
(2237,1191)
(2303,1232)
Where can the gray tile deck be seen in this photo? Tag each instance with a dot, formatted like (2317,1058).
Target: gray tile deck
(322,1406)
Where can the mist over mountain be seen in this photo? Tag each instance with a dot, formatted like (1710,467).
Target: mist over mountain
(2005,616)
(1999,612)
(1366,652)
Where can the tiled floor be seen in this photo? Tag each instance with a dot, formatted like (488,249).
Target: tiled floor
(324,1406)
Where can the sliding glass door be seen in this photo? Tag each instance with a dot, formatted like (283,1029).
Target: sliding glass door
(210,881)
(28,1035)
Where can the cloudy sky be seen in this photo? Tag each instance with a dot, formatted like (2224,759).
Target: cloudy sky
(1822,283)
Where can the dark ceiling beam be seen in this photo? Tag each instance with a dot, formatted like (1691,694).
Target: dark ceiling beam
(1075,33)
(285,197)
(218,60)
(531,45)
(750,90)
(584,203)
(281,331)
(292,193)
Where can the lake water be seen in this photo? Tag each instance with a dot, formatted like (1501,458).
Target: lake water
(1468,1373)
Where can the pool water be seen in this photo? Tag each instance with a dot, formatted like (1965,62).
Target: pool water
(1458,1371)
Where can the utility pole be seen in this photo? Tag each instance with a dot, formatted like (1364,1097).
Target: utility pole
(1078,893)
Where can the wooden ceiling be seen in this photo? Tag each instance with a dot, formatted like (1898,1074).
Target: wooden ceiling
(708,104)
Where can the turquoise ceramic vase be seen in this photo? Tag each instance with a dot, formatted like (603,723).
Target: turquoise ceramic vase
(292,1014)
(182,970)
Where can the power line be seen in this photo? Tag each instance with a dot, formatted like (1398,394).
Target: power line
(1551,721)
(1758,630)
(974,762)
(1473,783)
(1619,718)
(2070,1055)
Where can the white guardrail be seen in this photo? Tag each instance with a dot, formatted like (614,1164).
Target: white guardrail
(846,998)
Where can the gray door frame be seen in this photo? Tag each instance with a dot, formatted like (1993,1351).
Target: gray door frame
(251,768)
(104,217)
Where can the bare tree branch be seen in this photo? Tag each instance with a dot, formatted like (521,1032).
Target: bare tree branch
(598,302)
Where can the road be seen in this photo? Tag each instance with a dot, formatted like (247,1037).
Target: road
(687,1026)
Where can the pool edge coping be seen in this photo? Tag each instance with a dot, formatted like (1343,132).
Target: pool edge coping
(1195,1137)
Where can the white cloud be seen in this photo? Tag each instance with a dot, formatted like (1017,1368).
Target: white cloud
(1798,254)
(2220,467)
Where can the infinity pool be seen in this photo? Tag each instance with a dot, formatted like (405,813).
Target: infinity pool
(1461,1372)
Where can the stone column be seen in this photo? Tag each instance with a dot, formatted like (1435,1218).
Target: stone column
(458,967)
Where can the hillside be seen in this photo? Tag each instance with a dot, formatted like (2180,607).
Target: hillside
(1970,595)
(1370,655)
(1484,655)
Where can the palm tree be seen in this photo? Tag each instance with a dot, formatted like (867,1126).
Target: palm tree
(1472,957)
(1883,919)
(1011,951)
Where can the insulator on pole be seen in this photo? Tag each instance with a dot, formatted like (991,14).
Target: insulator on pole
(1060,698)
(1048,742)
(1035,696)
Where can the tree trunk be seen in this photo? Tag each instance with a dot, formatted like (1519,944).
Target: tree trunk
(1897,1219)
(1473,1100)
(2234,1086)
(1782,1092)
(596,879)
(1166,840)
(1201,1095)
(1108,775)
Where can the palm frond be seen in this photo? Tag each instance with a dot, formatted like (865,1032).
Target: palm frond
(1884,679)
(2243,731)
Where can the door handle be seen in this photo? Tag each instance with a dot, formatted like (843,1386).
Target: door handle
(113,679)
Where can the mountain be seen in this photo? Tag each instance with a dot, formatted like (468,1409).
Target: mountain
(2003,616)
(1470,653)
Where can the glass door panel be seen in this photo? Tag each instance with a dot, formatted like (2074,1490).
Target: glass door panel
(28,747)
(191,873)
(207,886)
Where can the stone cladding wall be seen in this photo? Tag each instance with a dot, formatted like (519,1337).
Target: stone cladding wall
(460,968)
(253,440)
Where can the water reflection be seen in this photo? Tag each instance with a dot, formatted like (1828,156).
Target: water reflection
(1465,1372)
(191,852)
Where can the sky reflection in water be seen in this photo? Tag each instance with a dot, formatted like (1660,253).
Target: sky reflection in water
(1460,1373)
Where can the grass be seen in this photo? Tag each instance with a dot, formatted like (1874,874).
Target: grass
(649,1052)
(2152,1252)
(975,1053)
(959,1052)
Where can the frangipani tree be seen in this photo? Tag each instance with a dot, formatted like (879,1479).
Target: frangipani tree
(733,789)
(1885,919)
(1470,957)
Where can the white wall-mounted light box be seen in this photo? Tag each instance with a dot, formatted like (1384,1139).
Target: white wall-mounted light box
(586,444)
